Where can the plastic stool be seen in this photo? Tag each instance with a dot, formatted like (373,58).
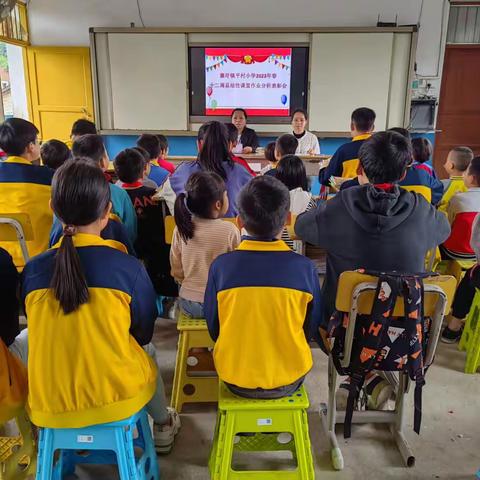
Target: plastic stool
(188,388)
(265,419)
(17,453)
(457,268)
(470,340)
(108,443)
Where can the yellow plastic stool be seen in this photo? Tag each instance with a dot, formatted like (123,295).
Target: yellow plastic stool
(18,456)
(457,268)
(188,387)
(470,340)
(262,420)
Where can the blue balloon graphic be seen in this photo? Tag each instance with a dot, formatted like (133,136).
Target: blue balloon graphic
(284,99)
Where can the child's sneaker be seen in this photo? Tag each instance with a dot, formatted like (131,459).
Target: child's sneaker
(450,336)
(164,435)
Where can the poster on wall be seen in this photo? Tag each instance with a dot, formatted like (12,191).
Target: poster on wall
(256,79)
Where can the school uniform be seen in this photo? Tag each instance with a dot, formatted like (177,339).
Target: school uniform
(90,347)
(157,174)
(26,189)
(451,186)
(241,161)
(262,305)
(344,162)
(161,162)
(424,166)
(307,143)
(373,228)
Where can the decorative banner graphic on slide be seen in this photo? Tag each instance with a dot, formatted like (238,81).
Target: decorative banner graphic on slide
(256,79)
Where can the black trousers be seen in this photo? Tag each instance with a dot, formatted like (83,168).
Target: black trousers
(465,292)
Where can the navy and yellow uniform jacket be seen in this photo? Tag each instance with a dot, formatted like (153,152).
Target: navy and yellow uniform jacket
(344,162)
(88,367)
(25,189)
(262,305)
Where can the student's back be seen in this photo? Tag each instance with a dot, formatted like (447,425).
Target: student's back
(25,187)
(422,182)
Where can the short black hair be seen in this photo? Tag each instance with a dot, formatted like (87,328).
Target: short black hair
(263,205)
(143,153)
(422,149)
(364,119)
(286,144)
(232,132)
(129,165)
(402,131)
(300,110)
(163,140)
(83,127)
(462,158)
(474,169)
(151,144)
(239,110)
(291,172)
(269,152)
(385,156)
(54,153)
(16,134)
(90,146)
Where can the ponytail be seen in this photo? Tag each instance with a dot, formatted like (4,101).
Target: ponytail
(68,281)
(183,217)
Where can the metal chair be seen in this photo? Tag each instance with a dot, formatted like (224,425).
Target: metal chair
(16,227)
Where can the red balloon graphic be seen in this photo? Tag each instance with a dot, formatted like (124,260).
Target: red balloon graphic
(209,91)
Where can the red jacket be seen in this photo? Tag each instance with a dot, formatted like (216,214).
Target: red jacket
(244,163)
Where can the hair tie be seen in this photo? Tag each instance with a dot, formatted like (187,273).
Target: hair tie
(69,230)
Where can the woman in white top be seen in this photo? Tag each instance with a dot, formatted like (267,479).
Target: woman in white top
(291,172)
(307,141)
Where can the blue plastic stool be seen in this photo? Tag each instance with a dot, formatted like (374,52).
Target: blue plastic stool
(105,444)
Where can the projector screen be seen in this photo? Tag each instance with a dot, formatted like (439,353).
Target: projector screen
(268,82)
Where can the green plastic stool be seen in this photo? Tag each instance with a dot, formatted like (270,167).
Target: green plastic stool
(470,340)
(260,418)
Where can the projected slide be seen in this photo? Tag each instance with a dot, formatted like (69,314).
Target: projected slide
(256,79)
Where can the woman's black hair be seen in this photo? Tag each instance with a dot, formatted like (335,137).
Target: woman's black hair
(291,172)
(269,152)
(16,134)
(214,154)
(239,110)
(80,196)
(422,149)
(202,190)
(302,111)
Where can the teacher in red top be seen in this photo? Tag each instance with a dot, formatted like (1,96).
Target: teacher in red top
(247,140)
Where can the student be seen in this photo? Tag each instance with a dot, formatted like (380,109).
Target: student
(54,154)
(25,187)
(92,146)
(162,159)
(151,144)
(286,144)
(291,172)
(457,162)
(269,153)
(461,211)
(378,226)
(199,237)
(422,152)
(150,245)
(147,166)
(344,162)
(307,141)
(247,140)
(98,320)
(262,302)
(82,127)
(232,142)
(462,302)
(214,156)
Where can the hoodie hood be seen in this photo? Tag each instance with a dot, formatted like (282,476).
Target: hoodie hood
(376,210)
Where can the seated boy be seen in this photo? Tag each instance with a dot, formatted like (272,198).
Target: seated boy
(151,145)
(162,159)
(457,162)
(25,187)
(377,225)
(91,146)
(462,210)
(147,182)
(262,301)
(286,144)
(150,245)
(232,143)
(54,154)
(82,127)
(344,162)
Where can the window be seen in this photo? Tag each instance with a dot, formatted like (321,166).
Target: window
(14,27)
(464,24)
